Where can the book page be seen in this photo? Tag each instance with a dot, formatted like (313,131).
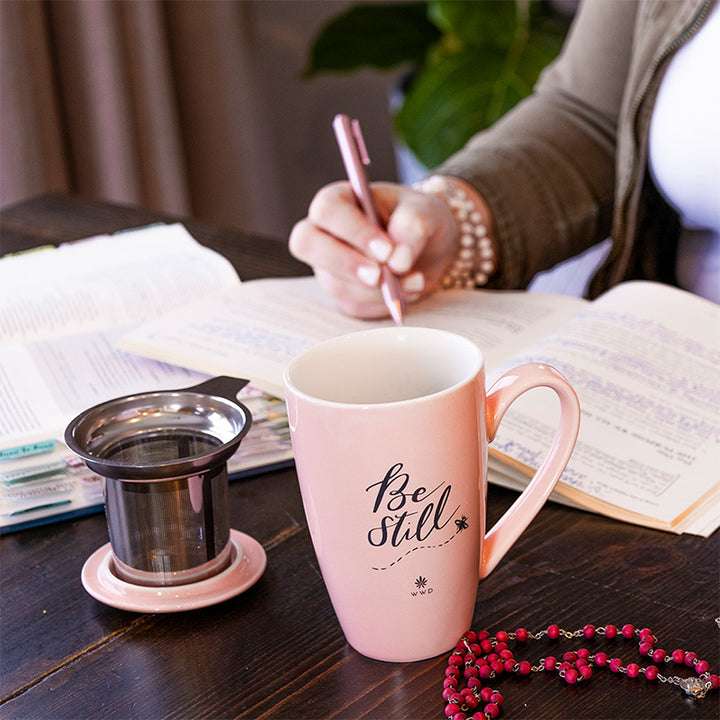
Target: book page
(256,330)
(644,360)
(43,385)
(105,282)
(62,309)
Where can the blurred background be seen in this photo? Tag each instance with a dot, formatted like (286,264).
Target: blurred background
(192,107)
(200,108)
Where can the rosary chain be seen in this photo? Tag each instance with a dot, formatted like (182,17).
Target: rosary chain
(483,657)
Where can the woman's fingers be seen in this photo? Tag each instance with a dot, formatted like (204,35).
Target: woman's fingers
(346,250)
(325,253)
(335,210)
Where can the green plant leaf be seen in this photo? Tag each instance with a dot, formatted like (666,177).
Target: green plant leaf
(460,93)
(539,51)
(475,60)
(374,35)
(476,23)
(448,102)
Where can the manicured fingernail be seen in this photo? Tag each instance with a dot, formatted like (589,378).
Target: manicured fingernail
(380,250)
(401,259)
(369,275)
(414,283)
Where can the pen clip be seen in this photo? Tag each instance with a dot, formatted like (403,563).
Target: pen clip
(360,141)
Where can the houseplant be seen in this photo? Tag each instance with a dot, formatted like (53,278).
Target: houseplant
(466,62)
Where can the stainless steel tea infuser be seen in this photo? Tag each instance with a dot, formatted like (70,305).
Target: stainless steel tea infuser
(164,459)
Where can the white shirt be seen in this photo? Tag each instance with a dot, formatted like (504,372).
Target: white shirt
(684,155)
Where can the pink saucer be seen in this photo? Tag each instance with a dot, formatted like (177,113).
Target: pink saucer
(248,564)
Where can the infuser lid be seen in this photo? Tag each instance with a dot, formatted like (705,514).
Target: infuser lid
(157,435)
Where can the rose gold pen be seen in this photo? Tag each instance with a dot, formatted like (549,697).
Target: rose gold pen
(355,157)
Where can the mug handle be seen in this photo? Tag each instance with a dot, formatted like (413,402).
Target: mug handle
(502,394)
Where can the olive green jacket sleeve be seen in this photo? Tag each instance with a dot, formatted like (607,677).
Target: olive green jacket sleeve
(565,168)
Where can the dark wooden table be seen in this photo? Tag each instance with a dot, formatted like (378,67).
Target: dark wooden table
(277,651)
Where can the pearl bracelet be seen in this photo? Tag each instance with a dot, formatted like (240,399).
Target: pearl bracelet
(476,260)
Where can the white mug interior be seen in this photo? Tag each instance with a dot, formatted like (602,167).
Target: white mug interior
(384,365)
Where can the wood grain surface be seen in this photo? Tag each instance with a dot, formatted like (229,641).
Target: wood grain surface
(277,651)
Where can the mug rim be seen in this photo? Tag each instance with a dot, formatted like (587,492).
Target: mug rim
(290,385)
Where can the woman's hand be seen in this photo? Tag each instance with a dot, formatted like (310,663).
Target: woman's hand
(345,250)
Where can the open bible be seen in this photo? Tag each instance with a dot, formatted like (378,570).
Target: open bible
(61,313)
(644,359)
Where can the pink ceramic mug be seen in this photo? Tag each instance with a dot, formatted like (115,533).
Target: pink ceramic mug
(390,429)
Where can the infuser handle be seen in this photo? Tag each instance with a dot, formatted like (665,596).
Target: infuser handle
(223,385)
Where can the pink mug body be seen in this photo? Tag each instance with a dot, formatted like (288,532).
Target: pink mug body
(390,429)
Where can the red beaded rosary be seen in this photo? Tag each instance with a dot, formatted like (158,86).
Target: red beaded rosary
(479,657)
